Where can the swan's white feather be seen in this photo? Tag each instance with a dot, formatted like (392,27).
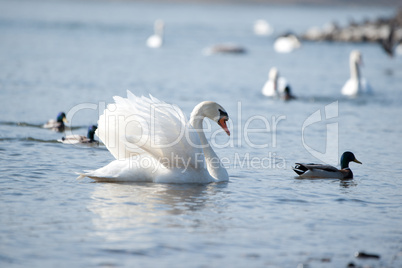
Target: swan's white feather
(351,87)
(140,124)
(269,91)
(151,141)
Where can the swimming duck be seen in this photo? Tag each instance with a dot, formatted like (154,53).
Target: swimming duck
(75,139)
(327,171)
(225,48)
(287,94)
(58,124)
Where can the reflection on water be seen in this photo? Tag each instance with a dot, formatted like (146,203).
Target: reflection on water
(136,207)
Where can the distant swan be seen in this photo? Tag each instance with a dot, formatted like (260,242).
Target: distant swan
(262,27)
(286,43)
(78,139)
(277,86)
(156,40)
(153,141)
(58,124)
(356,84)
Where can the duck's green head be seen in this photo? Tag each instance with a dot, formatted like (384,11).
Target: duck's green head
(91,132)
(346,158)
(61,118)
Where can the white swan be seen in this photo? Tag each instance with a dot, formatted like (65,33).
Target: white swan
(286,43)
(153,141)
(275,86)
(156,40)
(356,84)
(262,27)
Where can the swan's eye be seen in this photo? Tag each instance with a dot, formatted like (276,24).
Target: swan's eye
(223,114)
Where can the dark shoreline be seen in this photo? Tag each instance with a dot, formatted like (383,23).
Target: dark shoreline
(346,3)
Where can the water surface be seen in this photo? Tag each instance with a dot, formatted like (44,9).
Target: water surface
(68,55)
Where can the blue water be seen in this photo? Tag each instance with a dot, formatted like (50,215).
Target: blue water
(74,56)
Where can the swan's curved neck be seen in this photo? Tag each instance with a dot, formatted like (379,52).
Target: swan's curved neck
(274,78)
(214,165)
(354,69)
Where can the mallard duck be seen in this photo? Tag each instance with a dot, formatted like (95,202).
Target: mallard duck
(224,48)
(287,94)
(327,171)
(76,139)
(58,124)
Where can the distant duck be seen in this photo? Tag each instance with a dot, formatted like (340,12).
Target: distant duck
(287,94)
(156,40)
(262,27)
(287,43)
(227,48)
(276,86)
(78,139)
(58,124)
(327,171)
(356,84)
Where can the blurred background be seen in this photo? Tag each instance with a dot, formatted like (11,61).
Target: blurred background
(74,56)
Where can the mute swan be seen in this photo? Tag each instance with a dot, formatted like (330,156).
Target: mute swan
(153,141)
(262,27)
(276,86)
(328,171)
(58,124)
(286,43)
(156,40)
(78,139)
(356,84)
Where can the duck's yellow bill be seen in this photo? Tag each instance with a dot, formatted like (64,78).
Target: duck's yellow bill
(65,120)
(357,161)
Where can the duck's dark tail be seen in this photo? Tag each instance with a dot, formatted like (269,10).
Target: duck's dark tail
(299,169)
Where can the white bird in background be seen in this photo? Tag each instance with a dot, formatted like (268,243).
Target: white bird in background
(286,43)
(153,141)
(356,84)
(276,86)
(262,27)
(156,40)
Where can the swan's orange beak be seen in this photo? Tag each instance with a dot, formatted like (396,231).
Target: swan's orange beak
(222,123)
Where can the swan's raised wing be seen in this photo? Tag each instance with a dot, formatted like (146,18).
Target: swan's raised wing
(136,125)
